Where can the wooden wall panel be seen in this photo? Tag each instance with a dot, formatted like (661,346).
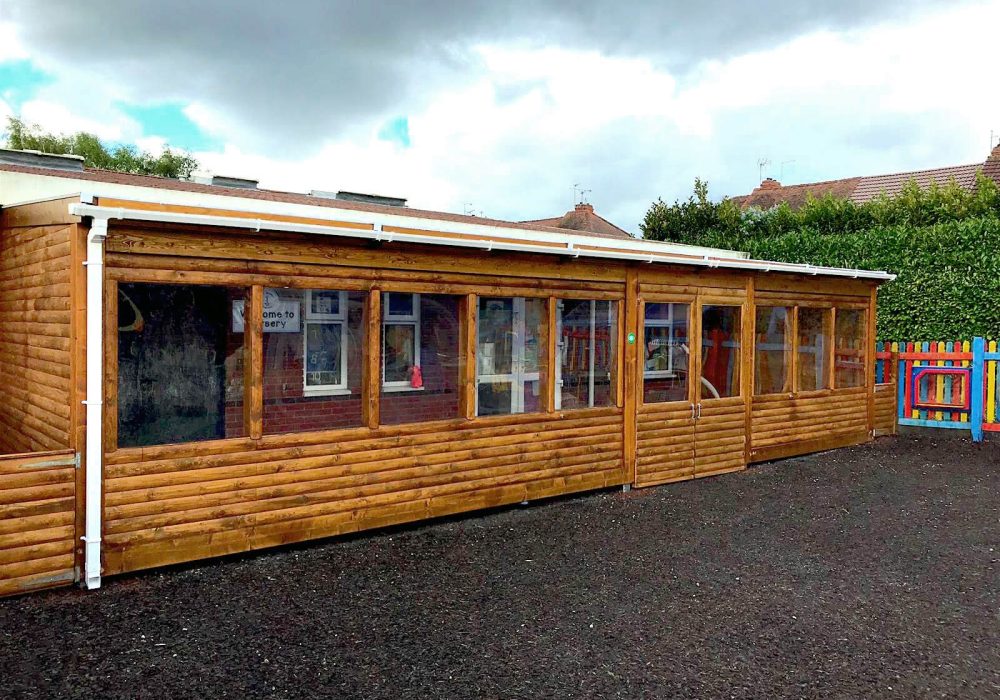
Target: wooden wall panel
(35,336)
(220,498)
(885,409)
(665,443)
(783,425)
(720,437)
(37,514)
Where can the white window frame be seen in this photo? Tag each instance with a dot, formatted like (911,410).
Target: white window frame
(389,319)
(668,322)
(322,319)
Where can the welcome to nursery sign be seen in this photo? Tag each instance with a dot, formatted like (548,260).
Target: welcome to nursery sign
(280,315)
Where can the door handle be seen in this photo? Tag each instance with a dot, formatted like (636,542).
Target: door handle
(692,411)
(698,417)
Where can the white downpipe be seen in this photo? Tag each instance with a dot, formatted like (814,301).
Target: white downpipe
(94,402)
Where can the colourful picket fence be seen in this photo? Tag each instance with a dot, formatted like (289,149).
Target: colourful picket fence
(943,384)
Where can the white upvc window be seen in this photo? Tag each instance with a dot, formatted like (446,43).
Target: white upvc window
(400,339)
(324,366)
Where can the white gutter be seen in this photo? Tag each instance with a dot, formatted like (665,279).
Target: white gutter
(94,401)
(595,247)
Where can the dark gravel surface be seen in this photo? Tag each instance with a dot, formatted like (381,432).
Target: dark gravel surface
(870,571)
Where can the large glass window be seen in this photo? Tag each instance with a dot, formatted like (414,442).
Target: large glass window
(180,363)
(813,348)
(667,352)
(849,337)
(313,350)
(720,351)
(420,357)
(773,350)
(587,342)
(510,355)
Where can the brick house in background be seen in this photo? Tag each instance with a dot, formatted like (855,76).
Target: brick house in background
(582,218)
(864,188)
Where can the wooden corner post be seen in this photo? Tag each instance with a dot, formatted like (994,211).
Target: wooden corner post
(631,384)
(372,371)
(467,360)
(253,363)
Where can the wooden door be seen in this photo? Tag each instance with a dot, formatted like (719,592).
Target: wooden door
(721,392)
(665,430)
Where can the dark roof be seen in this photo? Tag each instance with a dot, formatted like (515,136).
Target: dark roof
(582,219)
(865,188)
(166,183)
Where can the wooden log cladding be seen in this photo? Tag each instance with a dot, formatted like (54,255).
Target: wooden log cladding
(785,421)
(35,333)
(163,509)
(37,520)
(885,409)
(720,437)
(664,443)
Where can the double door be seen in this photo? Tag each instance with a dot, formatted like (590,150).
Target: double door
(510,346)
(691,415)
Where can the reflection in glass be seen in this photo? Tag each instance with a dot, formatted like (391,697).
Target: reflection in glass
(667,352)
(849,339)
(814,364)
(587,342)
(720,351)
(313,348)
(510,355)
(773,354)
(180,363)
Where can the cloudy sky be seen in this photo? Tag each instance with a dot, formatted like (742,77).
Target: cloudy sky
(502,107)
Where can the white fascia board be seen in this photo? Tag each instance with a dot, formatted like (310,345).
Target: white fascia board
(609,250)
(24,186)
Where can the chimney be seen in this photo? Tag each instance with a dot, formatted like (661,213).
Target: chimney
(37,159)
(994,155)
(582,206)
(769,183)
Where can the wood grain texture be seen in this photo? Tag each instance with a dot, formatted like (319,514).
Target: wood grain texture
(786,420)
(36,331)
(37,521)
(169,509)
(885,409)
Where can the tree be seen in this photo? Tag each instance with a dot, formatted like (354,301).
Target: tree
(125,158)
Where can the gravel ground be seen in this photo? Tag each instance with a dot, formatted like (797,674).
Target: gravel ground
(866,571)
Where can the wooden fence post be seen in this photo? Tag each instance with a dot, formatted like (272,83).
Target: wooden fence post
(976,387)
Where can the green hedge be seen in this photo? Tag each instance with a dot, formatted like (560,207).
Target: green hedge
(949,273)
(943,244)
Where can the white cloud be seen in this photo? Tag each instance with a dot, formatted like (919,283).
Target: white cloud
(523,122)
(11,48)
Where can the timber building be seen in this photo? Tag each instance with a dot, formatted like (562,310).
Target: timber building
(192,369)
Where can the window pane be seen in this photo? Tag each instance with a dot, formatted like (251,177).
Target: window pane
(587,353)
(850,348)
(814,366)
(720,351)
(323,358)
(398,304)
(400,352)
(312,362)
(667,353)
(322,304)
(180,363)
(773,350)
(429,372)
(511,354)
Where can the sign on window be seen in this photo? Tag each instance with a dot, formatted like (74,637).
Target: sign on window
(280,315)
